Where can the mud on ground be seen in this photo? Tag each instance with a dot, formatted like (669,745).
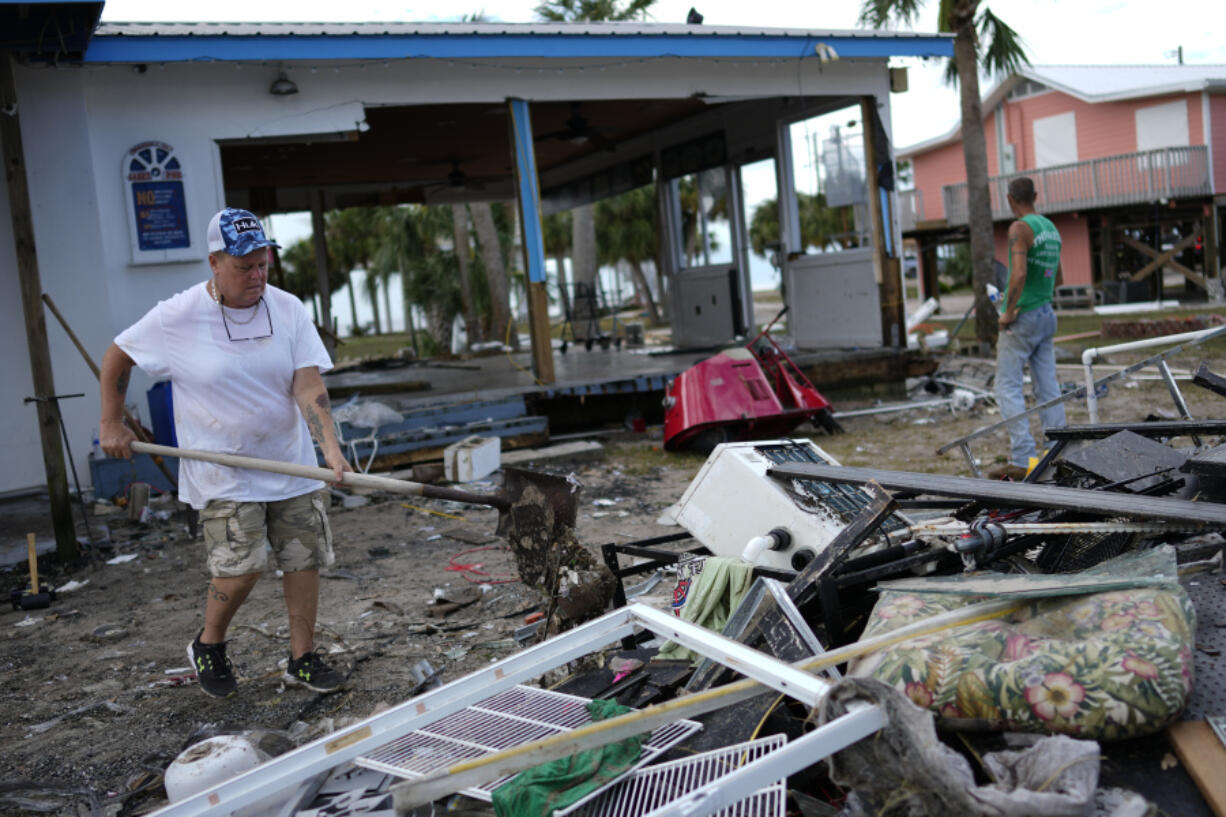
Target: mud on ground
(87,700)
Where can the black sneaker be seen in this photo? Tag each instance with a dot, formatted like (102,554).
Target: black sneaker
(312,672)
(213,669)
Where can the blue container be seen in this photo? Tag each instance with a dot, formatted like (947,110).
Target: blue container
(162,414)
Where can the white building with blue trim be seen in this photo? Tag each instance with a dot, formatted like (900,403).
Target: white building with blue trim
(134,134)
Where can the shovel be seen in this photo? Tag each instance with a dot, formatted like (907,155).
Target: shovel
(535,511)
(39,596)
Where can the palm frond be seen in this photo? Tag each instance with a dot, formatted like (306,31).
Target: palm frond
(1004,53)
(945,17)
(951,72)
(880,13)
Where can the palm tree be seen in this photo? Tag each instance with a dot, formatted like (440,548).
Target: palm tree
(494,264)
(629,232)
(411,239)
(300,276)
(463,253)
(564,11)
(583,223)
(558,233)
(353,238)
(820,226)
(973,25)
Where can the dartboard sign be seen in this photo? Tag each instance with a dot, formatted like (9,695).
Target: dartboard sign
(156,198)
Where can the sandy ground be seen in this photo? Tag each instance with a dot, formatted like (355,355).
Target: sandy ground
(94,696)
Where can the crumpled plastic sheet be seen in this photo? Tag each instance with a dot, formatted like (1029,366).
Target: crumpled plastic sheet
(367,414)
(906,770)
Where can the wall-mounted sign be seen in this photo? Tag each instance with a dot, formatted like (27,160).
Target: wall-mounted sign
(157,203)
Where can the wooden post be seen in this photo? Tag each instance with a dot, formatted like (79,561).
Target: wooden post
(885,264)
(929,271)
(1106,267)
(66,548)
(528,196)
(321,269)
(1213,268)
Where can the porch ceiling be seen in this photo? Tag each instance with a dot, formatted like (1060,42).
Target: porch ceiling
(412,153)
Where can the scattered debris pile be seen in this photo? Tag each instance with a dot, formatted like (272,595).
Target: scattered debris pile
(825,639)
(861,641)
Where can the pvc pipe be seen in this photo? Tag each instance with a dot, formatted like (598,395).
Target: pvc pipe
(925,311)
(1090,355)
(777,539)
(755,547)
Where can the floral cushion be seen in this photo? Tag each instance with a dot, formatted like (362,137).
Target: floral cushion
(1106,666)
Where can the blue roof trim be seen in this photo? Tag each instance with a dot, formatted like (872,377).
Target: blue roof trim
(125,49)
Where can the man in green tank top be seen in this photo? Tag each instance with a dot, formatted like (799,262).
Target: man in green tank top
(1028,324)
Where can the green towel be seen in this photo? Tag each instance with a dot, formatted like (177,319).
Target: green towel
(559,783)
(714,596)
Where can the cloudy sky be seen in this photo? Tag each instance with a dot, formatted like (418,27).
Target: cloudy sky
(1054,31)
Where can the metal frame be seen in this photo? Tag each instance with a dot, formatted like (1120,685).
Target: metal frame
(654,786)
(993,492)
(862,721)
(288,774)
(1089,389)
(1189,338)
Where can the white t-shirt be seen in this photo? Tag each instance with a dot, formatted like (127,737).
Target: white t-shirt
(232,396)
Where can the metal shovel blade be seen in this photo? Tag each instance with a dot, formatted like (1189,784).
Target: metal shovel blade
(539,516)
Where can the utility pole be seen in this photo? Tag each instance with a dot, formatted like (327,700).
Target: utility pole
(66,548)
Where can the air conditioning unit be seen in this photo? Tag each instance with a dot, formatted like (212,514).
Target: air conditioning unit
(732,502)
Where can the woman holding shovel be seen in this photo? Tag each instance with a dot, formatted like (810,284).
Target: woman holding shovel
(245,361)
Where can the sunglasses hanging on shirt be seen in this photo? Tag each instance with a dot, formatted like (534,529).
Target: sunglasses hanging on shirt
(251,328)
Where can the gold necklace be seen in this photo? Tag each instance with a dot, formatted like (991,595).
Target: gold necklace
(211,288)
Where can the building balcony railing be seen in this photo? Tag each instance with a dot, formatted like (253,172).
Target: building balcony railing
(1132,178)
(910,208)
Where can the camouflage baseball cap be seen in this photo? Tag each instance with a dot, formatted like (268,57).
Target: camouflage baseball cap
(237,232)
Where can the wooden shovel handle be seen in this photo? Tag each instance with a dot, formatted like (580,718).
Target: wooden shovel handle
(33,563)
(400,486)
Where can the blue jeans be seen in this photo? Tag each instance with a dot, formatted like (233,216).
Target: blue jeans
(1027,341)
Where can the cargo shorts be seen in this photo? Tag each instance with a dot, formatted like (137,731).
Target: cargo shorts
(237,535)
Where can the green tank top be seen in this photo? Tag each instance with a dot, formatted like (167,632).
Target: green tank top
(1042,259)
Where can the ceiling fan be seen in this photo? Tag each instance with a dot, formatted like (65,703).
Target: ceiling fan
(457,179)
(579,131)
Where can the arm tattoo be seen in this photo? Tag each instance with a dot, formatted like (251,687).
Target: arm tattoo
(217,594)
(314,423)
(121,384)
(321,400)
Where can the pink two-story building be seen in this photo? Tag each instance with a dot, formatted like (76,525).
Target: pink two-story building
(1129,163)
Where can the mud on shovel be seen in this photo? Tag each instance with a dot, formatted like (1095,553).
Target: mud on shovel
(535,511)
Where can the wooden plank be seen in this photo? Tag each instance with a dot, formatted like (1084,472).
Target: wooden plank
(1202,754)
(432,453)
(886,265)
(1213,264)
(1163,429)
(32,310)
(1017,494)
(542,341)
(1211,463)
(1160,259)
(1206,379)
